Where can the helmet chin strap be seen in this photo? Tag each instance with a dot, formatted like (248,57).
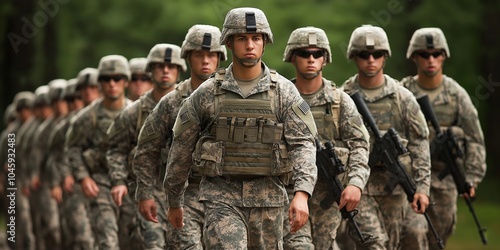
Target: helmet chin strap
(248,62)
(369,74)
(310,76)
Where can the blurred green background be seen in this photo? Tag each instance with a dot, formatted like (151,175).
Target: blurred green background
(49,39)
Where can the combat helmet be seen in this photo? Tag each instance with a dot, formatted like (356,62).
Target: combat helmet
(10,114)
(42,96)
(71,93)
(307,37)
(246,20)
(427,38)
(87,76)
(24,99)
(368,37)
(114,65)
(138,65)
(203,37)
(57,89)
(165,53)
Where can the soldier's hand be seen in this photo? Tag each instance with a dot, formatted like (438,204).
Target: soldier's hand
(148,210)
(89,187)
(175,216)
(117,192)
(68,183)
(56,194)
(299,211)
(26,191)
(35,183)
(423,201)
(350,198)
(471,194)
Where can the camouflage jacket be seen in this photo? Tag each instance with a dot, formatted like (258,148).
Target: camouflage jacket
(197,114)
(352,132)
(460,112)
(86,141)
(155,136)
(122,141)
(412,127)
(25,164)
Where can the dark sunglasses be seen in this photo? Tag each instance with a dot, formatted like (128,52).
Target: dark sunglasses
(306,53)
(426,55)
(376,54)
(143,78)
(115,78)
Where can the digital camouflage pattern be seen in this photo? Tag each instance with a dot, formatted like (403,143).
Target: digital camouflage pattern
(427,38)
(203,37)
(241,196)
(368,37)
(138,65)
(307,37)
(87,145)
(166,53)
(149,166)
(453,108)
(236,23)
(349,133)
(114,65)
(382,214)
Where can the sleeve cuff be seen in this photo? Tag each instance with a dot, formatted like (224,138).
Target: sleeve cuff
(144,193)
(175,201)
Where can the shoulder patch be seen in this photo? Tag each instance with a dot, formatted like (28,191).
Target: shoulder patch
(304,107)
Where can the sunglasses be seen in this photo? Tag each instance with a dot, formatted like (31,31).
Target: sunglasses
(115,78)
(306,53)
(426,55)
(376,54)
(143,78)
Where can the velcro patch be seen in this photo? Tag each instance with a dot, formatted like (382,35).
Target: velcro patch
(184,117)
(304,107)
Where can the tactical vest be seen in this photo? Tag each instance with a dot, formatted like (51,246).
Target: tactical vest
(245,139)
(326,118)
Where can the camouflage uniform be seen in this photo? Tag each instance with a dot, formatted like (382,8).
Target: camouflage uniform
(338,121)
(453,108)
(240,213)
(87,145)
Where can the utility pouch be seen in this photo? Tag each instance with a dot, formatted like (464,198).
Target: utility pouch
(252,130)
(222,129)
(207,156)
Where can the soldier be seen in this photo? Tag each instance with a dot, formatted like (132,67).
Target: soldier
(140,82)
(165,64)
(87,145)
(453,107)
(202,50)
(88,86)
(245,130)
(338,121)
(47,222)
(391,105)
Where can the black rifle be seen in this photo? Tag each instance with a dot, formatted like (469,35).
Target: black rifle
(329,166)
(387,148)
(445,145)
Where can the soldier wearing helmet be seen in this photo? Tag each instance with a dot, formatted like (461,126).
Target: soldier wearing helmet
(163,65)
(392,106)
(243,168)
(454,110)
(202,50)
(87,143)
(87,85)
(338,121)
(140,81)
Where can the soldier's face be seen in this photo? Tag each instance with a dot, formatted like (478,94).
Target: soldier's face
(203,63)
(248,48)
(370,62)
(429,62)
(165,74)
(61,107)
(138,85)
(309,61)
(113,86)
(89,93)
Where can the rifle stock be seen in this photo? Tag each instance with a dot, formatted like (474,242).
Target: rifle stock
(387,148)
(447,147)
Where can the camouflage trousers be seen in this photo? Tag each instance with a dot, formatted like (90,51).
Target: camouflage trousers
(25,239)
(381,216)
(75,220)
(443,215)
(190,236)
(150,235)
(111,224)
(45,216)
(414,234)
(343,241)
(320,230)
(230,227)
